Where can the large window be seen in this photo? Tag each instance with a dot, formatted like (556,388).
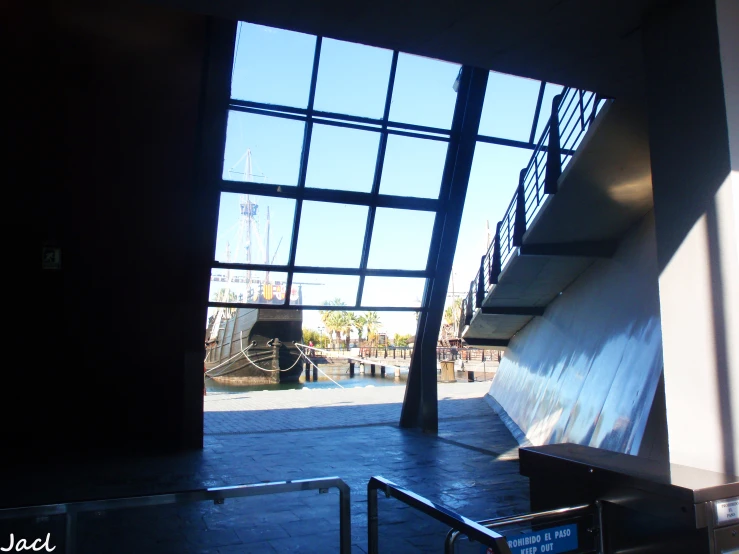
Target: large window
(334,164)
(332,171)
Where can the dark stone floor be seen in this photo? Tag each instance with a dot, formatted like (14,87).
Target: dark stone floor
(471,466)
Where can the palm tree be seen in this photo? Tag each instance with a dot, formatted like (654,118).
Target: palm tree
(372,321)
(346,322)
(332,319)
(359,322)
(451,315)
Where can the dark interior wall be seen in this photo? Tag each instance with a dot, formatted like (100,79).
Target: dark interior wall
(689,151)
(103,115)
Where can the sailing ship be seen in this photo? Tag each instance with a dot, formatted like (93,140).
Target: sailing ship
(253,345)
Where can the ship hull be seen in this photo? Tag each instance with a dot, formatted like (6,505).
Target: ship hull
(253,346)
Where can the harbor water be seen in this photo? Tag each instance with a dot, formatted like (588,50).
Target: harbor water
(340,374)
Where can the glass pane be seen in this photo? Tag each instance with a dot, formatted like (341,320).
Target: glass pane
(392,326)
(247,287)
(509,107)
(352,78)
(254,229)
(550,91)
(342,159)
(272,66)
(331,235)
(413,167)
(317,289)
(400,239)
(393,291)
(492,184)
(263,149)
(423,93)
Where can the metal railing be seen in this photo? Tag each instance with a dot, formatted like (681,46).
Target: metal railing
(215,494)
(444,353)
(496,542)
(573,111)
(536,517)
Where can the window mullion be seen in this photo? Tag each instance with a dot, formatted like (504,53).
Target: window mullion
(303,172)
(376,181)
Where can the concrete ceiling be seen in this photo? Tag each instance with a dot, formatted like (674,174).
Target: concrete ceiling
(592,44)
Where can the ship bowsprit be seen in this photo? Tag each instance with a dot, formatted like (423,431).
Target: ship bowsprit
(248,346)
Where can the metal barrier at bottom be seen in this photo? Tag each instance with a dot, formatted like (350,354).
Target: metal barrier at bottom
(573,530)
(495,542)
(216,494)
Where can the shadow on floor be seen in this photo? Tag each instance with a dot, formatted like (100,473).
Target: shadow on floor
(470,466)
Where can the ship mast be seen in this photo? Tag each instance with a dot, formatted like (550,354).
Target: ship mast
(266,250)
(246,203)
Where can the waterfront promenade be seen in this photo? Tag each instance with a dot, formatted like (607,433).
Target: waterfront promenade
(306,408)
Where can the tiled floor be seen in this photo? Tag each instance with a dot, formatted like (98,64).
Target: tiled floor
(470,466)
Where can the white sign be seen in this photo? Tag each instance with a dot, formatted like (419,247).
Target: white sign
(726,510)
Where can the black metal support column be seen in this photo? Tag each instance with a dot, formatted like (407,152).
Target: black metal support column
(462,318)
(495,267)
(480,293)
(519,226)
(554,153)
(420,405)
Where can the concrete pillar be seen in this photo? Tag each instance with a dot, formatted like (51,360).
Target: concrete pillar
(692,75)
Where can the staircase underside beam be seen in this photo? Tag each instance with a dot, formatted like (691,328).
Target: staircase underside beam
(591,249)
(513,310)
(486,342)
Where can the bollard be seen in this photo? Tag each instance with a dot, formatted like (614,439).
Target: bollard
(470,376)
(307,371)
(315,373)
(351,369)
(382,371)
(372,369)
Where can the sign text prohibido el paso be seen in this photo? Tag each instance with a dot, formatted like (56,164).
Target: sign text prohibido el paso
(554,540)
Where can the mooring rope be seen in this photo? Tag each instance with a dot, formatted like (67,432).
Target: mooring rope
(298,345)
(243,351)
(228,360)
(263,368)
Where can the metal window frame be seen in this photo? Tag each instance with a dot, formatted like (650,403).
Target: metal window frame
(372,200)
(420,403)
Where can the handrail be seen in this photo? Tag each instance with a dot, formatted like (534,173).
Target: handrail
(439,512)
(453,534)
(216,494)
(573,110)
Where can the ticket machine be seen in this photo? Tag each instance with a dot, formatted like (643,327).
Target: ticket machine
(644,507)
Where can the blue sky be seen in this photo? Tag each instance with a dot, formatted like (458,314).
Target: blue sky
(274,66)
